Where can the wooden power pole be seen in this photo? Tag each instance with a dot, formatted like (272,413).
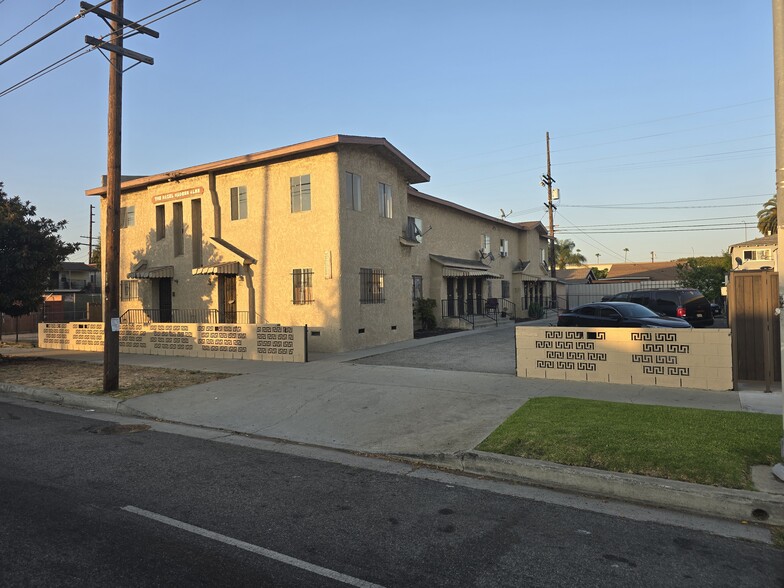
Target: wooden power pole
(548,181)
(111,246)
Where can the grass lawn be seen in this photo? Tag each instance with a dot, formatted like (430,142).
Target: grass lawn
(702,446)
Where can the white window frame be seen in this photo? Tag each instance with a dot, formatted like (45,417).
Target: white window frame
(504,248)
(239,203)
(300,195)
(485,243)
(384,200)
(127,216)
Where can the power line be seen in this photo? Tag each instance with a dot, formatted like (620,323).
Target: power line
(19,32)
(666,222)
(665,118)
(673,230)
(590,238)
(53,31)
(84,50)
(680,200)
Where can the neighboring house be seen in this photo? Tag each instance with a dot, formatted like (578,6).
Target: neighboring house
(579,275)
(760,253)
(659,271)
(326,233)
(72,287)
(73,277)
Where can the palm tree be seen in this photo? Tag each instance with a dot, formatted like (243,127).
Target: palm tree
(625,253)
(566,255)
(767,219)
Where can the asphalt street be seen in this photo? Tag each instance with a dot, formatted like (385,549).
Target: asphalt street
(85,502)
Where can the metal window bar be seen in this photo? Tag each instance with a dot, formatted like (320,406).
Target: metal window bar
(302,286)
(371,286)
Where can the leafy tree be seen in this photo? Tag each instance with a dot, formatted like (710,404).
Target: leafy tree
(30,249)
(95,257)
(705,274)
(767,218)
(566,255)
(600,273)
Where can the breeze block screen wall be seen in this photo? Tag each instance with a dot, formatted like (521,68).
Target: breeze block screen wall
(687,358)
(226,341)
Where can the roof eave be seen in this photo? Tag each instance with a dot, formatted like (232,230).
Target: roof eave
(413,173)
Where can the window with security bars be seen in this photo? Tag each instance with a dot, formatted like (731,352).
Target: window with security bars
(300,193)
(302,286)
(371,286)
(129,290)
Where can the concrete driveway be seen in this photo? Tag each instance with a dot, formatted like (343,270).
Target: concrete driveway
(490,351)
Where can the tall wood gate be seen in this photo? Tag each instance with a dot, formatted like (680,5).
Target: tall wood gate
(753,296)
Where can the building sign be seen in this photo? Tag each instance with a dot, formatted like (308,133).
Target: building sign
(179,195)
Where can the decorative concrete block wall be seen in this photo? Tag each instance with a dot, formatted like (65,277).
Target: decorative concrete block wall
(226,341)
(688,358)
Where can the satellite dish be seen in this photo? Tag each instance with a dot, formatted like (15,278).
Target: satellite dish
(739,261)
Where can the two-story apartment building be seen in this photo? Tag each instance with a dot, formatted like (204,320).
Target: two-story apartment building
(326,233)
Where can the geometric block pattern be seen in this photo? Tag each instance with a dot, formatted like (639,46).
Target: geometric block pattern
(228,341)
(693,358)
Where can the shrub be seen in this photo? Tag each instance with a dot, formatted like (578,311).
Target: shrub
(535,310)
(424,310)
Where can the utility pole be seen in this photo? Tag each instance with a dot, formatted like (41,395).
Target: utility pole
(89,236)
(778,83)
(548,181)
(111,264)
(653,255)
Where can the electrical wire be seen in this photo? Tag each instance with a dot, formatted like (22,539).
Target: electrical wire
(669,201)
(84,50)
(19,32)
(590,238)
(53,31)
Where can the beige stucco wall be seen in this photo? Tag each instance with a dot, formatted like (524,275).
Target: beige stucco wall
(458,234)
(224,341)
(688,358)
(371,241)
(331,239)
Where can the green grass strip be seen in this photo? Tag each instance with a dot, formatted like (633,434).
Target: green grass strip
(710,447)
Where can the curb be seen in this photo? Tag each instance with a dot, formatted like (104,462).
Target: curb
(725,503)
(99,403)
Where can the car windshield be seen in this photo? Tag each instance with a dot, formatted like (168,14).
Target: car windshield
(635,311)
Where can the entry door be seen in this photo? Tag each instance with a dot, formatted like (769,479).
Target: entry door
(165,299)
(227,299)
(450,297)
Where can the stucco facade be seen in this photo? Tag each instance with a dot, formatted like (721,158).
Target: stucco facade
(314,234)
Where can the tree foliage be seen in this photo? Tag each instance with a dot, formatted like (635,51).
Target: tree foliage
(705,274)
(566,255)
(767,218)
(600,274)
(30,249)
(95,256)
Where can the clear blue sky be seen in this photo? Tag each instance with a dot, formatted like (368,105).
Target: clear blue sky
(663,107)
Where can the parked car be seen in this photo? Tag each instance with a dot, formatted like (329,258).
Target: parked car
(685,303)
(715,309)
(618,314)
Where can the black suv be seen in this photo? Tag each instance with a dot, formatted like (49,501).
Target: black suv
(685,303)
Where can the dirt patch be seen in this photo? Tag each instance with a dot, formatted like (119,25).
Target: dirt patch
(421,334)
(87,378)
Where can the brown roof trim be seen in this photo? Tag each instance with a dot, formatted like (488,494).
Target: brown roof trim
(434,200)
(413,173)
